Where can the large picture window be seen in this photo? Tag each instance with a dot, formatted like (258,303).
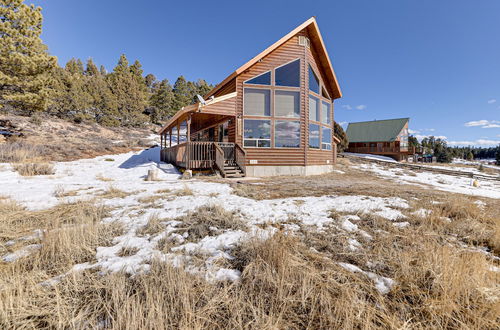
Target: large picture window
(257,102)
(314,136)
(313,108)
(257,133)
(286,134)
(326,138)
(287,104)
(325,113)
(288,74)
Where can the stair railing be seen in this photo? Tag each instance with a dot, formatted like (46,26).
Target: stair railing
(240,157)
(219,159)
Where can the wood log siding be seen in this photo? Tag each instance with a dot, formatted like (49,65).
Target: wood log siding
(286,53)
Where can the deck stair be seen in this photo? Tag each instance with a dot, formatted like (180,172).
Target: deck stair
(233,171)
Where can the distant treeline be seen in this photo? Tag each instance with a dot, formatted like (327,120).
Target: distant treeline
(123,97)
(31,80)
(444,153)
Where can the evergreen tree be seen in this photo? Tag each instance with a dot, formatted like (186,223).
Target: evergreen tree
(129,92)
(102,70)
(75,66)
(470,155)
(25,64)
(91,69)
(497,156)
(161,101)
(182,94)
(150,79)
(341,135)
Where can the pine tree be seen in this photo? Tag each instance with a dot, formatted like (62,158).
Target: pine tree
(102,70)
(25,64)
(339,132)
(129,92)
(161,101)
(91,69)
(182,94)
(497,156)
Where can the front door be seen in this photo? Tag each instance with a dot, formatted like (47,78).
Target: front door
(223,132)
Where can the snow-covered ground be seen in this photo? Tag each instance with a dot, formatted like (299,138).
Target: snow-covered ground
(461,185)
(370,156)
(484,162)
(89,178)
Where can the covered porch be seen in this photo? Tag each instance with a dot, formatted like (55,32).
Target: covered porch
(202,136)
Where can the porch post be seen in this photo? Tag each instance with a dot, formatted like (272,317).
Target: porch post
(178,132)
(170,138)
(189,128)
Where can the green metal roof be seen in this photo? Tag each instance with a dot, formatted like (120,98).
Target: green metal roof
(376,131)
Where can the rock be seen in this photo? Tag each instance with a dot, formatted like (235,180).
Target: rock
(188,174)
(2,139)
(475,183)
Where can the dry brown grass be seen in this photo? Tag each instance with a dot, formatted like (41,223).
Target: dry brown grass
(100,177)
(289,281)
(209,220)
(19,152)
(113,192)
(185,191)
(154,226)
(31,169)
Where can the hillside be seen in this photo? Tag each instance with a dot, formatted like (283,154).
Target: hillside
(61,140)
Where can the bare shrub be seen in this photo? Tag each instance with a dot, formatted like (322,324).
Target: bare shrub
(31,169)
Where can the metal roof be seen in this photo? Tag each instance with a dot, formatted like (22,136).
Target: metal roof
(376,130)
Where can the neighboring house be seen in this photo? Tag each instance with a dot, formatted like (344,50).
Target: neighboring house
(272,116)
(380,137)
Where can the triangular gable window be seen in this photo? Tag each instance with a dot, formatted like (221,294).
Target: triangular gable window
(262,79)
(288,74)
(313,81)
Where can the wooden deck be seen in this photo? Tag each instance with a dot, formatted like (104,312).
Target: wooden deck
(206,155)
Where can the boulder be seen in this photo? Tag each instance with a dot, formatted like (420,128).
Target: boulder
(188,174)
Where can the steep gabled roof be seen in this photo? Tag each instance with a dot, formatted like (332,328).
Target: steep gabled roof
(376,131)
(316,40)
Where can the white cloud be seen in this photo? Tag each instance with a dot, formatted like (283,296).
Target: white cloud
(346,106)
(413,132)
(429,129)
(420,137)
(479,142)
(361,107)
(483,123)
(491,101)
(343,123)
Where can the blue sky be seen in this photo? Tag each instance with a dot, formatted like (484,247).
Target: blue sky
(435,61)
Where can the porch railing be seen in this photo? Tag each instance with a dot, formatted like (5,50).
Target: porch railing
(201,155)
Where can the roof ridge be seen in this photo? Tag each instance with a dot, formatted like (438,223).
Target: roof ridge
(378,120)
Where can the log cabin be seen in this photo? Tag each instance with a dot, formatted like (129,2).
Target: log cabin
(272,116)
(380,137)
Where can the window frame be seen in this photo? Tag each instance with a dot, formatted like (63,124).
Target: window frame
(272,117)
(273,75)
(321,99)
(258,139)
(284,120)
(246,82)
